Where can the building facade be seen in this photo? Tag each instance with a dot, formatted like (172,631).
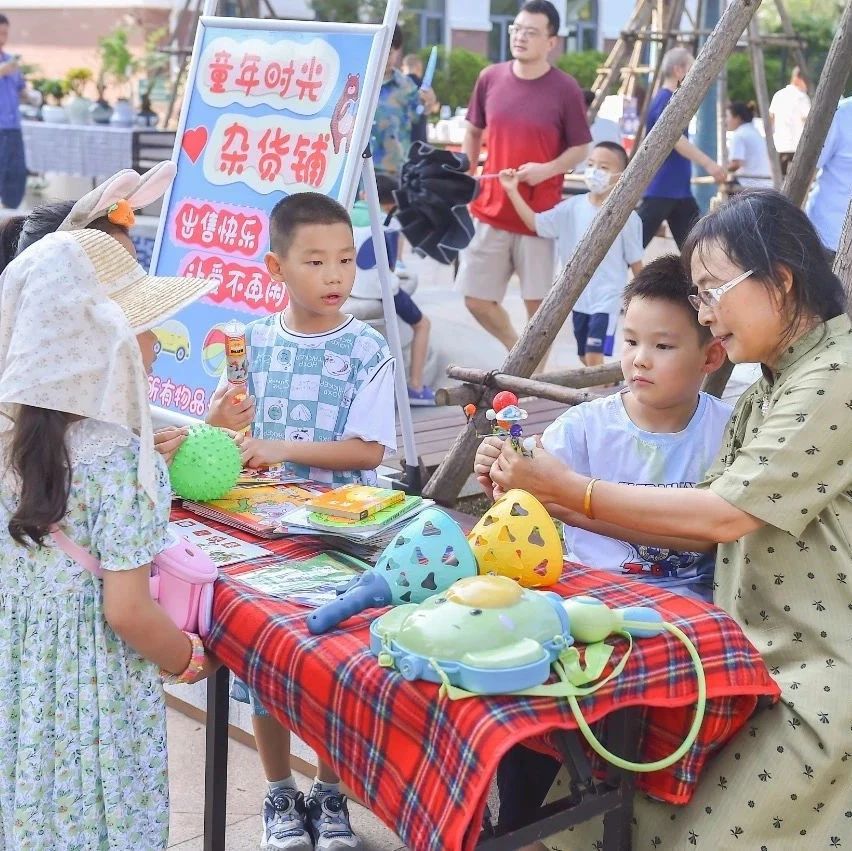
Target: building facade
(55,35)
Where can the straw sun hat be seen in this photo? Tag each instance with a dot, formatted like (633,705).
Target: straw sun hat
(145,299)
(71,306)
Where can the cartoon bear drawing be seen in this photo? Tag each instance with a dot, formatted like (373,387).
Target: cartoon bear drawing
(343,118)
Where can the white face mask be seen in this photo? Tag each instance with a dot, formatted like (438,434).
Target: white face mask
(597,180)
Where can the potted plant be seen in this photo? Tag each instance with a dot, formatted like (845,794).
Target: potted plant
(79,106)
(155,64)
(117,65)
(52,113)
(100,111)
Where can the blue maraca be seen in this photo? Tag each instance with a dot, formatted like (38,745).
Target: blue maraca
(426,557)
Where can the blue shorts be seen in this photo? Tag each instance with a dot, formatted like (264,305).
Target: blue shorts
(592,332)
(406,309)
(242,693)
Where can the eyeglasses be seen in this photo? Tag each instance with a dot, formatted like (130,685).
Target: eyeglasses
(710,297)
(524,32)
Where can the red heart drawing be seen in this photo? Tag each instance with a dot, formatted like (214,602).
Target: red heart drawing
(194,142)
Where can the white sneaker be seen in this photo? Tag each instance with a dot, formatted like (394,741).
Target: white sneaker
(284,829)
(328,822)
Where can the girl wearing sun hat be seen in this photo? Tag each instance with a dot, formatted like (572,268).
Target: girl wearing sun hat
(109,207)
(82,711)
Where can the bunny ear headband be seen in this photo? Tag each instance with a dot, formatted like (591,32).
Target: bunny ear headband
(118,196)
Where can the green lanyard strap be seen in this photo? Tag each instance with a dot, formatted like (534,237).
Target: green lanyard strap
(574,678)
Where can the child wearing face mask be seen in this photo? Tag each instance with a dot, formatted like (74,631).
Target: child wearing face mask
(596,312)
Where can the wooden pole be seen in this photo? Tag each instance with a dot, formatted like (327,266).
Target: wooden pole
(758,72)
(671,26)
(832,81)
(577,379)
(843,259)
(520,386)
(612,66)
(542,328)
(798,53)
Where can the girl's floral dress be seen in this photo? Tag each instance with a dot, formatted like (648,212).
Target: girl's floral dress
(82,715)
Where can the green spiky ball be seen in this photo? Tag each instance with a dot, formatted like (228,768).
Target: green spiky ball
(206,466)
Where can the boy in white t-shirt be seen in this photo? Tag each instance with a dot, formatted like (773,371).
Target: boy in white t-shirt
(320,401)
(660,431)
(596,311)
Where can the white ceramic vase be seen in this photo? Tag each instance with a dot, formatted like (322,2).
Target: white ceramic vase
(53,114)
(78,110)
(122,114)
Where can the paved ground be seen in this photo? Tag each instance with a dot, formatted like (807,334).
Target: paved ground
(246,788)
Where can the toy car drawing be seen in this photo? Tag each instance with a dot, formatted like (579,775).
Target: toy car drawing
(173,339)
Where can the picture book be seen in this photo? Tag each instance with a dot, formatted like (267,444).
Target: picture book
(309,578)
(222,548)
(372,523)
(299,522)
(254,508)
(269,476)
(355,502)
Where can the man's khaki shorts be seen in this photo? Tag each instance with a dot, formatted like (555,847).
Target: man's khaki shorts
(494,255)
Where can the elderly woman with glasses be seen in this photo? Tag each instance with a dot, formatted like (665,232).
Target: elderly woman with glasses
(778,502)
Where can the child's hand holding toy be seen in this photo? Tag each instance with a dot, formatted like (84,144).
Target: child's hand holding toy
(231,408)
(168,440)
(487,453)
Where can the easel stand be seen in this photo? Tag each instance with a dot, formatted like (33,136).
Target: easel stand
(411,473)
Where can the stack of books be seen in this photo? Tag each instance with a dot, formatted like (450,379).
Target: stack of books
(357,519)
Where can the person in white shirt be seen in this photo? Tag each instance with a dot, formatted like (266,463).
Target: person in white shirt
(787,113)
(596,311)
(747,153)
(602,129)
(660,431)
(831,192)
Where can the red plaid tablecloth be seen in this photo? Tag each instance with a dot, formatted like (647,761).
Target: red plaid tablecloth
(423,765)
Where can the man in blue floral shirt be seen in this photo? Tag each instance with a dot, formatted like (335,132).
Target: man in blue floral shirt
(396,112)
(13,169)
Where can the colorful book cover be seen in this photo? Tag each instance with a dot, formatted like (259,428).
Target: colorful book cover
(288,578)
(222,548)
(253,508)
(355,502)
(375,521)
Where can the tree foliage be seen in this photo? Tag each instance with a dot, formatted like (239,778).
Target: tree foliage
(582,65)
(455,74)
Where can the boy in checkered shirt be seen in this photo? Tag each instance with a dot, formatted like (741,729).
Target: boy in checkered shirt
(320,401)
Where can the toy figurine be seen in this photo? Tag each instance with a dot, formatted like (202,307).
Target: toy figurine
(507,423)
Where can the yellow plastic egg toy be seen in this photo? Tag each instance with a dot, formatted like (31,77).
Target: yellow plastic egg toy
(517,538)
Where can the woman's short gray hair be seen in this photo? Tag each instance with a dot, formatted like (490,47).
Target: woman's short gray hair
(677,57)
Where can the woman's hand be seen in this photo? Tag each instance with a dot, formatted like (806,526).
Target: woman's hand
(167,440)
(538,475)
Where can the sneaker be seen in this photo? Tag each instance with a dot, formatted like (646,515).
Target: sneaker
(284,822)
(422,397)
(328,822)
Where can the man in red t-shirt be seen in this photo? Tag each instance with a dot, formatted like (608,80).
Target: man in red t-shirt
(536,120)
